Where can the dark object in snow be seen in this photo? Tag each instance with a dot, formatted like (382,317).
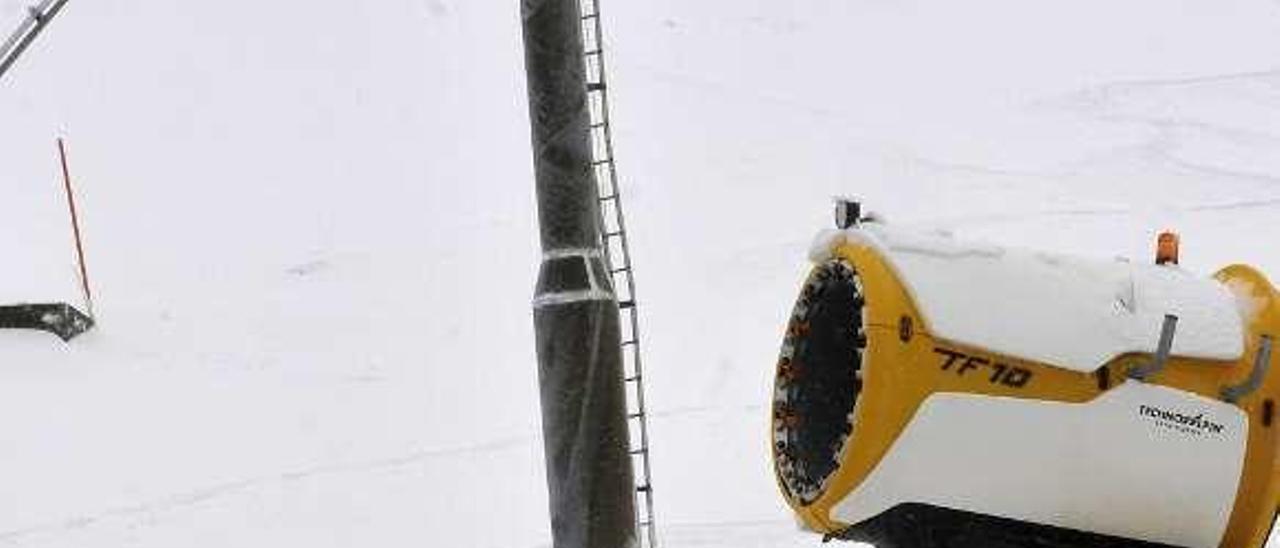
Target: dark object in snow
(926,526)
(61,319)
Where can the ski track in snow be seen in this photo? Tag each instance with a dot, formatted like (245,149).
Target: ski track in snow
(1115,102)
(761,533)
(185,499)
(1265,203)
(1233,206)
(985,170)
(1218,172)
(688,410)
(720,88)
(1093,102)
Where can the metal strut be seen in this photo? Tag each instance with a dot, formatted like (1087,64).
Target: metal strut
(38,17)
(1261,362)
(617,255)
(1163,349)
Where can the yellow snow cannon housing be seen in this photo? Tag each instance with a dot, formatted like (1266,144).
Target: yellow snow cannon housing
(929,389)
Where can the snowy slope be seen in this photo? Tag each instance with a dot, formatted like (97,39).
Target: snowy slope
(311,233)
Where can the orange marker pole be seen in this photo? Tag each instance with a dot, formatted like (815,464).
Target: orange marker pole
(75,227)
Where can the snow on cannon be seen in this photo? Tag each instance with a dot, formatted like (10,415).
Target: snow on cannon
(934,392)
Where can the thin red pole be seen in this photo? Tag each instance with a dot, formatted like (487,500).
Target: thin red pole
(75,227)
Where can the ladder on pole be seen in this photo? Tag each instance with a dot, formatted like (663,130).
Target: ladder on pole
(617,256)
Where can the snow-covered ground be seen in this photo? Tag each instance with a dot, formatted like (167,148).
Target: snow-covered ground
(310,229)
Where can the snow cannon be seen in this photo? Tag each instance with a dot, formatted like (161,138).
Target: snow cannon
(933,392)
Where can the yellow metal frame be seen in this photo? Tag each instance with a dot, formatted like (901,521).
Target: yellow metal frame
(900,372)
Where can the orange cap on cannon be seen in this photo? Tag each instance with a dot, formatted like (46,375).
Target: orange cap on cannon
(1167,248)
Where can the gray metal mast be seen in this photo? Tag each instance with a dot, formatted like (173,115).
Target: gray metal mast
(38,17)
(576,322)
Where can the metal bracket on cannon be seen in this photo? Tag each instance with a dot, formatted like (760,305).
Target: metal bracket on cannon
(1165,347)
(849,214)
(1261,362)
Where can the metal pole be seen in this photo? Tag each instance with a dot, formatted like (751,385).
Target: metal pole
(576,322)
(38,17)
(75,228)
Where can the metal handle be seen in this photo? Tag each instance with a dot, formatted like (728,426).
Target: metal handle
(1142,372)
(1261,362)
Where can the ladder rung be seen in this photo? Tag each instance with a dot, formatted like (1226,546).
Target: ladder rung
(644,488)
(613,196)
(595,86)
(602,162)
(636,415)
(640,451)
(590,16)
(632,378)
(631,303)
(620,270)
(596,51)
(613,234)
(644,523)
(631,342)
(597,125)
